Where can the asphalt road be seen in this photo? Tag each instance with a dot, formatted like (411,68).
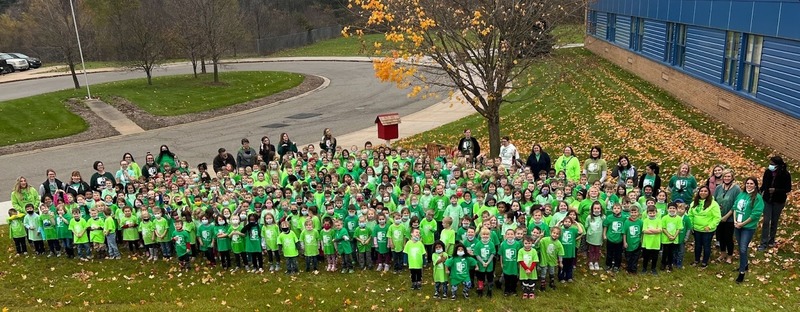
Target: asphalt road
(351,102)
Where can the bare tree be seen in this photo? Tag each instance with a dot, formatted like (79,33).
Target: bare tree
(219,24)
(54,28)
(481,46)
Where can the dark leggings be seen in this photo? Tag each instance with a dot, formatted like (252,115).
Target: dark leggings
(725,237)
(485,280)
(241,259)
(416,275)
(273,256)
(258,260)
(38,246)
(668,255)
(702,246)
(53,245)
(614,255)
(209,253)
(20,245)
(510,283)
(133,246)
(649,256)
(225,258)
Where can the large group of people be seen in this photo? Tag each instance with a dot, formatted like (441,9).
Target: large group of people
(467,217)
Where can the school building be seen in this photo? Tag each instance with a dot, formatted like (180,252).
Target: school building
(738,61)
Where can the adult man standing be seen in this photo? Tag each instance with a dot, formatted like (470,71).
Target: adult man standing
(508,152)
(469,146)
(222,159)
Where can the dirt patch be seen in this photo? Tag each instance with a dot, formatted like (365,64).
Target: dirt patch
(148,121)
(98,128)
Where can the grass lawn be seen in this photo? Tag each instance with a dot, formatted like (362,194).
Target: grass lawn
(45,116)
(89,65)
(581,101)
(566,34)
(340,46)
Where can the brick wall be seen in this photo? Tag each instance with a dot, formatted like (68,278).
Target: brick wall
(773,128)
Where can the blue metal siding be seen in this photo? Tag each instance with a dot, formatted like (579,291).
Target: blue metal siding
(779,80)
(687,12)
(787,27)
(623,35)
(654,37)
(602,23)
(704,53)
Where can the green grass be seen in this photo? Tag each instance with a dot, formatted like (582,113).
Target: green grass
(566,34)
(340,46)
(89,65)
(45,116)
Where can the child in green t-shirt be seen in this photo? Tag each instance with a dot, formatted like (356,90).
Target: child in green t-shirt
(183,245)
(47,222)
(110,233)
(252,243)
(205,239)
(344,247)
(415,250)
(62,229)
(428,229)
(439,275)
(528,258)
(570,235)
(161,225)
(363,237)
(95,225)
(671,226)
(458,268)
(632,239)
(270,232)
(447,235)
(223,242)
(484,251)
(398,233)
(310,242)
(288,241)
(129,225)
(237,242)
(651,242)
(552,253)
(328,245)
(18,231)
(683,235)
(508,262)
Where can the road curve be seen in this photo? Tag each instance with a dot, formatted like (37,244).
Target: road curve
(349,103)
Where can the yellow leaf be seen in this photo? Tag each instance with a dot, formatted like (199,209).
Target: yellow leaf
(277,291)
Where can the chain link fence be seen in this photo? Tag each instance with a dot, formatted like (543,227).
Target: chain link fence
(273,44)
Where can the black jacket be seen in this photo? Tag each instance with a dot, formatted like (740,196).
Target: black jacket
(474,146)
(80,188)
(44,189)
(656,183)
(220,162)
(328,145)
(267,152)
(543,163)
(781,180)
(149,171)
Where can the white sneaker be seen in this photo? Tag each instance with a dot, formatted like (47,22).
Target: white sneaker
(596,266)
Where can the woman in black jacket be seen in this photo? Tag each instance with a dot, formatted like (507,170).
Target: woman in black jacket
(624,170)
(328,142)
(538,160)
(285,145)
(776,183)
(267,150)
(650,177)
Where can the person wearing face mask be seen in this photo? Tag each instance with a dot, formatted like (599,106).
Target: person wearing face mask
(671,226)
(776,184)
(415,251)
(31,222)
(161,230)
(289,246)
(80,235)
(458,267)
(725,194)
(363,238)
(381,242)
(747,210)
(205,239)
(398,233)
(438,259)
(252,243)
(343,240)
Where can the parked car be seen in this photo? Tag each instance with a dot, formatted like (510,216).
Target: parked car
(5,68)
(33,62)
(14,62)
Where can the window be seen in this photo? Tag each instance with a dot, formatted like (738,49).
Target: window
(637,33)
(733,44)
(592,27)
(675,44)
(611,28)
(752,63)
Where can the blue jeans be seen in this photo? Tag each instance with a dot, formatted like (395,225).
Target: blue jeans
(702,245)
(165,249)
(677,255)
(743,237)
(83,250)
(111,241)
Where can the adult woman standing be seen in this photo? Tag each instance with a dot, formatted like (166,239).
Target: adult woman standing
(165,156)
(137,171)
(650,177)
(595,167)
(683,184)
(285,145)
(246,157)
(51,186)
(726,195)
(705,216)
(624,170)
(328,142)
(746,213)
(23,194)
(569,164)
(777,182)
(715,179)
(538,160)
(266,150)
(77,185)
(98,180)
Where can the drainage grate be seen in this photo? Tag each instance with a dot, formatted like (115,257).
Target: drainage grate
(303,116)
(275,125)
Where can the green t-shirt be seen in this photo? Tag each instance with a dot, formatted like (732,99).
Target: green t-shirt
(310,241)
(542,225)
(129,228)
(483,253)
(270,234)
(78,229)
(551,250)
(237,240)
(343,242)
(17,227)
(328,246)
(398,234)
(439,274)
(438,205)
(673,225)
(48,224)
(206,234)
(448,237)
(427,231)
(62,226)
(633,234)
(614,228)
(527,257)
(223,241)
(148,230)
(363,234)
(508,254)
(459,269)
(161,228)
(687,226)
(288,242)
(651,241)
(416,254)
(252,239)
(182,241)
(96,228)
(568,240)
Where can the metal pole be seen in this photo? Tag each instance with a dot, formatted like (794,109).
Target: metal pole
(80,50)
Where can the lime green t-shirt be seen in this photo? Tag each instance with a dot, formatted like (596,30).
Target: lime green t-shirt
(328,246)
(148,230)
(288,242)
(651,241)
(78,229)
(673,225)
(427,231)
(237,240)
(416,254)
(439,274)
(398,234)
(96,228)
(161,227)
(528,257)
(310,241)
(551,250)
(129,228)
(270,234)
(448,237)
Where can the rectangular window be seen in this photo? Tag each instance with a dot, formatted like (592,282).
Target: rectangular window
(733,49)
(637,34)
(675,44)
(611,28)
(592,21)
(752,63)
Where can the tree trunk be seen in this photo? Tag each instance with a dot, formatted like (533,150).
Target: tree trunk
(74,75)
(149,72)
(216,73)
(193,59)
(202,65)
(493,123)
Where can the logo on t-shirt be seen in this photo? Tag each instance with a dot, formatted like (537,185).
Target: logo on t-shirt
(616,226)
(510,253)
(460,267)
(566,237)
(593,167)
(634,230)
